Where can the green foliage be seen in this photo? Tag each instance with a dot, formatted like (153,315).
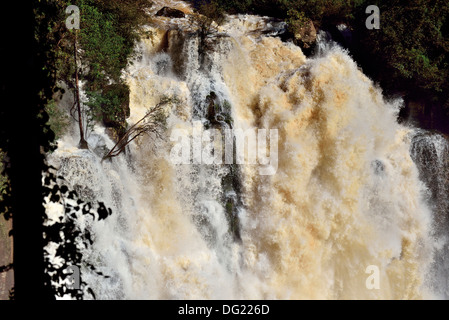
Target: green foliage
(212,10)
(410,51)
(110,103)
(211,15)
(316,10)
(103,47)
(58,120)
(296,20)
(105,41)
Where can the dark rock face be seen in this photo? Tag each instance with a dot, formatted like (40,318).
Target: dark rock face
(430,152)
(170,13)
(425,114)
(378,167)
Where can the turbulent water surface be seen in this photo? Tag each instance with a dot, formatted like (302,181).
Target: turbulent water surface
(351,188)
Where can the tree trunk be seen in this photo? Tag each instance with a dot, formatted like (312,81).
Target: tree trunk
(83,143)
(22,134)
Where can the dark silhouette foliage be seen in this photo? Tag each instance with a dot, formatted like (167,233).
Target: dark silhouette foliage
(67,235)
(28,84)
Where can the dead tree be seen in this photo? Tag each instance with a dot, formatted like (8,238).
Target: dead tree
(152,123)
(83,143)
(206,25)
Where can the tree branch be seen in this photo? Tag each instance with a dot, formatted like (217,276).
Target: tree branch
(152,122)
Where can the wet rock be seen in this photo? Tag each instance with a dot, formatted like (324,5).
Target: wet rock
(220,118)
(306,35)
(430,152)
(211,101)
(346,35)
(170,13)
(378,167)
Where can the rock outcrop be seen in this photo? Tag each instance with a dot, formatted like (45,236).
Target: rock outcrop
(306,35)
(170,13)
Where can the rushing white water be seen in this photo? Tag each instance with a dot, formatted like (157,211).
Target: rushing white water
(347,193)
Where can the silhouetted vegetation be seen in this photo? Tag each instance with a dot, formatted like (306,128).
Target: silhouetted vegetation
(29,81)
(66,238)
(27,87)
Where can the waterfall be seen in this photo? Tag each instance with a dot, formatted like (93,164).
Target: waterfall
(349,191)
(430,151)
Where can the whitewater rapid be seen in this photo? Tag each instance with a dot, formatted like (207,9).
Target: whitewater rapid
(347,193)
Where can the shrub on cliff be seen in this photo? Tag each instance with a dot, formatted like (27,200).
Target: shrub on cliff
(410,51)
(108,32)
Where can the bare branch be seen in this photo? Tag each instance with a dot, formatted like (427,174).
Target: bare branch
(152,122)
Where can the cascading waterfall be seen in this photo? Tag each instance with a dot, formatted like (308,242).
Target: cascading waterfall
(347,193)
(430,151)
